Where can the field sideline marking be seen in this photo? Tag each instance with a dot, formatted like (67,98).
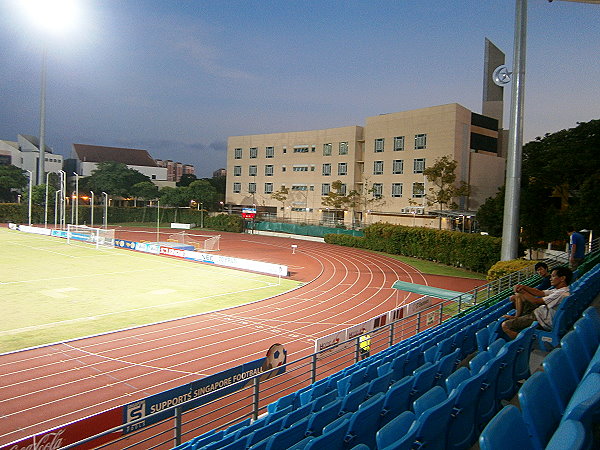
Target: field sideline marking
(97,316)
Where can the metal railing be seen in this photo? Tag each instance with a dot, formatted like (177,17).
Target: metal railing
(253,396)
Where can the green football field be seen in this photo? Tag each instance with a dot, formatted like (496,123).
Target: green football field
(51,291)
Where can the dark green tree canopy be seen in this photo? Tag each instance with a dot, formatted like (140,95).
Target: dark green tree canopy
(113,178)
(560,185)
(11,177)
(186,179)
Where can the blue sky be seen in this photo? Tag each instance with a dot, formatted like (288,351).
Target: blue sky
(178,77)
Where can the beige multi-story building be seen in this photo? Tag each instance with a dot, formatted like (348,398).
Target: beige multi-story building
(384,161)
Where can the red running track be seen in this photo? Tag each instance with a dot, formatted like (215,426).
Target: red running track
(53,385)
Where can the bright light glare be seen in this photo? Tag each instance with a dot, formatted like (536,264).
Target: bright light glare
(51,15)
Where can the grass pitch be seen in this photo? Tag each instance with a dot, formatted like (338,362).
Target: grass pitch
(51,291)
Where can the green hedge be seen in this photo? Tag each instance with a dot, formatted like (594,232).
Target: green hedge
(470,251)
(19,213)
(503,268)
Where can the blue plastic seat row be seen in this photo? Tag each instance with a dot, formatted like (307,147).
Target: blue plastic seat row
(562,402)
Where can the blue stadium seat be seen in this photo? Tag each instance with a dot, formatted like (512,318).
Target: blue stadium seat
(320,419)
(588,332)
(570,434)
(423,380)
(398,434)
(541,412)
(397,399)
(288,437)
(562,377)
(379,384)
(575,353)
(488,402)
(365,422)
(447,365)
(283,402)
(353,399)
(270,418)
(585,400)
(297,415)
(462,428)
(432,424)
(506,430)
(521,367)
(348,383)
(332,438)
(325,399)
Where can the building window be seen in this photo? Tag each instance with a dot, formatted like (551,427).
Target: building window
(268,188)
(418,190)
(377,167)
(253,152)
(343,148)
(301,149)
(283,168)
(251,188)
(269,152)
(326,169)
(377,190)
(398,143)
(420,141)
(313,148)
(396,189)
(284,150)
(237,153)
(237,171)
(299,187)
(342,168)
(343,189)
(419,165)
(269,170)
(398,167)
(312,168)
(252,171)
(379,145)
(300,168)
(326,149)
(237,187)
(325,188)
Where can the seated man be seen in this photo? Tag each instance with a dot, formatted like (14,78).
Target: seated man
(542,269)
(533,304)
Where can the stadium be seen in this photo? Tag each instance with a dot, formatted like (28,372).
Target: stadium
(283,370)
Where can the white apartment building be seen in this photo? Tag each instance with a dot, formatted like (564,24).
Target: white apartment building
(25,154)
(386,156)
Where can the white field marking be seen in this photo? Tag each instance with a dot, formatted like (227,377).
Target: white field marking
(229,352)
(162,291)
(59,292)
(129,363)
(112,313)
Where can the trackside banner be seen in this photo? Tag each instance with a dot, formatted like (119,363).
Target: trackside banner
(203,391)
(157,249)
(207,389)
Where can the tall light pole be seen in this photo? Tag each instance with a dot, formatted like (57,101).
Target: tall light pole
(42,158)
(57,194)
(63,200)
(510,223)
(30,183)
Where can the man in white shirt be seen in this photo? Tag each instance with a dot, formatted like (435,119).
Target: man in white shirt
(539,305)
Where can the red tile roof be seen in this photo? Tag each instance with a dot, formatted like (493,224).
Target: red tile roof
(129,156)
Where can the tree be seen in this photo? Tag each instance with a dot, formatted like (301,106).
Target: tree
(339,198)
(203,192)
(559,184)
(489,214)
(186,179)
(170,196)
(38,194)
(146,190)
(11,178)
(113,178)
(445,189)
(281,196)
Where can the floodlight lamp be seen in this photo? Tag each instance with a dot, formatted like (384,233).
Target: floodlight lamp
(51,15)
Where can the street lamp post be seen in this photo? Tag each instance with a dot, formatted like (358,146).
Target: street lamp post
(76,198)
(63,200)
(92,209)
(201,215)
(105,209)
(30,181)
(46,203)
(56,196)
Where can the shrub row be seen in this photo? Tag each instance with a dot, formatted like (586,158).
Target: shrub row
(470,251)
(503,268)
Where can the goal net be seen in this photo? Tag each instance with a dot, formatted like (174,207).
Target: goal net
(200,242)
(100,237)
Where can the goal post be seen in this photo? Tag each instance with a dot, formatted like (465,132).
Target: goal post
(199,241)
(100,237)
